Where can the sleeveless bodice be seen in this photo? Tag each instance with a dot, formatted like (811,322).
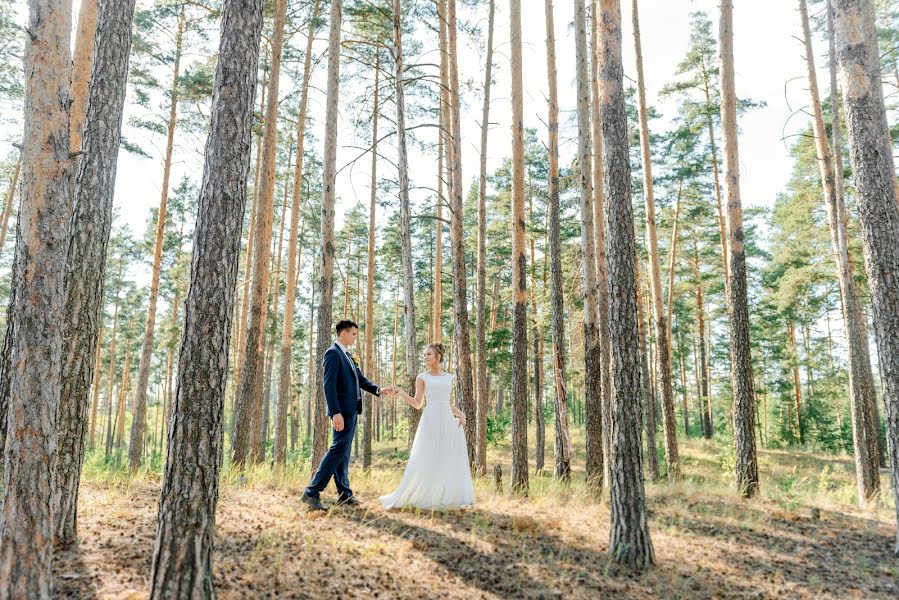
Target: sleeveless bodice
(438,388)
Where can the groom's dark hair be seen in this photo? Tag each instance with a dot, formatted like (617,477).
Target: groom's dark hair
(345,324)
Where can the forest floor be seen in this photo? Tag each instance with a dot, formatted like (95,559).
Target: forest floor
(803,538)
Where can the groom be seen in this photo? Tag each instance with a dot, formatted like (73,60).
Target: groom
(343,382)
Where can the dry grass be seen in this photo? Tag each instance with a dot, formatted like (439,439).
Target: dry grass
(804,538)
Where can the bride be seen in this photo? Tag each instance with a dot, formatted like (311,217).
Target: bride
(437,475)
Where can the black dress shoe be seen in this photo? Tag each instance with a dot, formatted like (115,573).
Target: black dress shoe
(312,503)
(348,501)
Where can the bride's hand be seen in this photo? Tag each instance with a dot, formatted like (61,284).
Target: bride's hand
(461,419)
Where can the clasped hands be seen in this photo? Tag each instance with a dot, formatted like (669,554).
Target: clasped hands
(390,390)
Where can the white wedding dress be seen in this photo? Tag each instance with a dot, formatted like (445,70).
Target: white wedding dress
(437,475)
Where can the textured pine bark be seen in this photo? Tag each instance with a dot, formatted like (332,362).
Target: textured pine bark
(139,410)
(481,301)
(592,354)
(91,223)
(370,279)
(870,152)
(326,272)
(737,300)
(82,61)
(36,315)
(182,559)
(862,366)
(461,345)
(599,230)
(519,269)
(663,370)
(630,543)
(562,440)
(248,405)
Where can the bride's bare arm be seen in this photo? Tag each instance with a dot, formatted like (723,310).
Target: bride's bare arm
(419,400)
(458,414)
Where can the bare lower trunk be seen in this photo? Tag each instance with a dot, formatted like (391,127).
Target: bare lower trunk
(747,471)
(248,405)
(326,283)
(91,223)
(592,355)
(370,279)
(481,336)
(870,151)
(519,270)
(461,347)
(649,413)
(36,317)
(562,443)
(182,559)
(629,543)
(663,370)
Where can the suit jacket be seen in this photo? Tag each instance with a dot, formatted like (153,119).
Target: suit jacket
(343,382)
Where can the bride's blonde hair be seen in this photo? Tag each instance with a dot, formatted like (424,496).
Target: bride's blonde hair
(438,348)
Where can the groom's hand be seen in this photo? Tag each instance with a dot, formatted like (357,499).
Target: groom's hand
(337,422)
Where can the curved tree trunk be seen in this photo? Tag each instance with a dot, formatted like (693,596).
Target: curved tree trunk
(481,302)
(294,258)
(91,223)
(737,301)
(663,371)
(629,542)
(562,442)
(519,270)
(326,282)
(139,423)
(182,559)
(870,151)
(37,316)
(592,354)
(248,405)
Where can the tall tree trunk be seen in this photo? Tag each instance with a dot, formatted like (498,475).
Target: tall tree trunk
(870,151)
(95,397)
(663,347)
(629,542)
(737,300)
(703,374)
(562,442)
(461,347)
(370,279)
(112,369)
(37,317)
(182,558)
(481,301)
(602,276)
(90,226)
(326,282)
(872,421)
(411,344)
(273,302)
(81,69)
(648,400)
(139,424)
(865,431)
(710,124)
(519,269)
(124,387)
(537,340)
(248,405)
(672,255)
(294,258)
(592,354)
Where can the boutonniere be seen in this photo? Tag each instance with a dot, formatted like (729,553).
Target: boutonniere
(355,359)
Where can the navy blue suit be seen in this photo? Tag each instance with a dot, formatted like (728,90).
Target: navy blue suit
(343,382)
